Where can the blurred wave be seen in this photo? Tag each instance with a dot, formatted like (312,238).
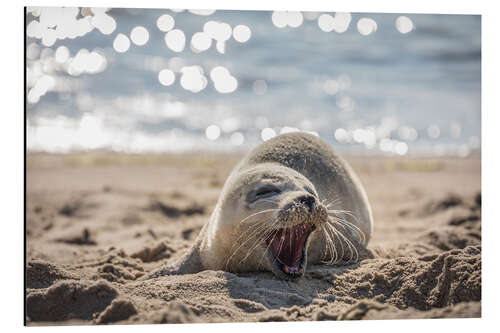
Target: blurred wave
(158,80)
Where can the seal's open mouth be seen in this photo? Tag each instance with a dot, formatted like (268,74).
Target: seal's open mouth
(287,250)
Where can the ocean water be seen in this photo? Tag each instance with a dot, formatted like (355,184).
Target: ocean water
(396,84)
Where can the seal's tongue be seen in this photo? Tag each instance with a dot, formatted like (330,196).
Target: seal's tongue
(286,245)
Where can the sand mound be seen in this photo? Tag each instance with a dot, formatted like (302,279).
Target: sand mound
(41,274)
(69,300)
(119,309)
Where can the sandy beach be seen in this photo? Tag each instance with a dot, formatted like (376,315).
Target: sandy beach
(96,222)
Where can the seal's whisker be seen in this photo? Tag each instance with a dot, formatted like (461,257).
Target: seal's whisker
(264,233)
(272,240)
(262,227)
(255,238)
(341,211)
(253,233)
(334,201)
(336,257)
(354,228)
(336,233)
(357,231)
(327,243)
(350,224)
(267,247)
(329,247)
(281,243)
(261,212)
(257,242)
(256,225)
(353,252)
(339,234)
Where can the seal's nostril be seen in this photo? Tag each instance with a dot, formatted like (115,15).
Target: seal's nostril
(307,200)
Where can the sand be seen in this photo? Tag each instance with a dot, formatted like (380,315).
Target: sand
(97,222)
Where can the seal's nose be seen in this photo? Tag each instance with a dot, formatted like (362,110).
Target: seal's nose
(307,200)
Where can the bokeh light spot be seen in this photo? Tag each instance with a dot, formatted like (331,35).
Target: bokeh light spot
(341,22)
(49,37)
(220,31)
(283,19)
(139,35)
(103,22)
(212,132)
(121,43)
(341,135)
(224,82)
(242,33)
(401,148)
(326,22)
(201,41)
(175,40)
(62,54)
(366,26)
(404,24)
(267,133)
(166,77)
(165,23)
(34,29)
(192,78)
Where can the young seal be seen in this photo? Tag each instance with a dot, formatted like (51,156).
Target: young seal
(291,202)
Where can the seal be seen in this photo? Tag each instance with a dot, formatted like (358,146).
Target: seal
(289,203)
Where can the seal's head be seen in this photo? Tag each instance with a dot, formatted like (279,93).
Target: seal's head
(274,211)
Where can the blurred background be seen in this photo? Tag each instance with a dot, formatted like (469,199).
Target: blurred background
(160,80)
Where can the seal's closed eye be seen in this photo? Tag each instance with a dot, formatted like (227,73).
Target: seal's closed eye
(267,190)
(262,192)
